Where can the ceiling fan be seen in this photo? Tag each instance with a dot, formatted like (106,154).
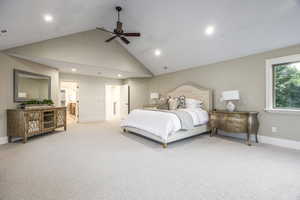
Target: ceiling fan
(118,31)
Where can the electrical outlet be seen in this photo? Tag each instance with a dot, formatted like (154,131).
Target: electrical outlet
(274,129)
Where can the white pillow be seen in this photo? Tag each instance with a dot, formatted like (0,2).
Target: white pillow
(196,105)
(192,101)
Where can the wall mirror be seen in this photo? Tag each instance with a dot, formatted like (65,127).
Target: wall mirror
(31,86)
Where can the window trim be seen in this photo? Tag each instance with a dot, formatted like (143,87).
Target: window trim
(269,83)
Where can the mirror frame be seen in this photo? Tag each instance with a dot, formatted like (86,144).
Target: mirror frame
(16,81)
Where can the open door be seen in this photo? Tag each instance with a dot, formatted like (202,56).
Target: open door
(77,105)
(70,99)
(124,101)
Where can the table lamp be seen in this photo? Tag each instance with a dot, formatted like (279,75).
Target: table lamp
(230,96)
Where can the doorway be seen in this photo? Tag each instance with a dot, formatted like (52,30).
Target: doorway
(116,101)
(112,102)
(70,99)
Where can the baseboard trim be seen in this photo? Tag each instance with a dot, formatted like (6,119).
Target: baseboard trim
(291,144)
(3,140)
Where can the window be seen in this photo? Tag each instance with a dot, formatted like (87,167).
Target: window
(283,84)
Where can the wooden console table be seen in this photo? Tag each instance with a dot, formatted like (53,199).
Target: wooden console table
(235,122)
(29,122)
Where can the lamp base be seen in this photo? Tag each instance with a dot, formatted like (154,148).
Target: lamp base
(230,106)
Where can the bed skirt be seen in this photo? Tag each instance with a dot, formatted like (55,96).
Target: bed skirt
(179,135)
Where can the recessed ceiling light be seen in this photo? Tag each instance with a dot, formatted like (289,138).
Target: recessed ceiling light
(48,18)
(74,70)
(209,30)
(119,75)
(157,52)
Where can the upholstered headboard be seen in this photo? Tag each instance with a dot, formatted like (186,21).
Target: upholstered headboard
(195,92)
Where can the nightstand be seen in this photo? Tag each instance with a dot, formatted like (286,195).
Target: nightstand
(235,122)
(151,106)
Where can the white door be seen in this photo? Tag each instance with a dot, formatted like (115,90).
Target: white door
(124,101)
(77,103)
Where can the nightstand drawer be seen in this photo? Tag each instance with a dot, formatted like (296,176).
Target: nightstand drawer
(235,127)
(242,120)
(235,122)
(151,106)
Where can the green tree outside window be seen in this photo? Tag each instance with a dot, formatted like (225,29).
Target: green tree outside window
(287,85)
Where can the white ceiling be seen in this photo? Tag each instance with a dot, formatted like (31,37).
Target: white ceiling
(174,26)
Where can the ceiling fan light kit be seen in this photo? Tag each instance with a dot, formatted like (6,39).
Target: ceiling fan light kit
(118,32)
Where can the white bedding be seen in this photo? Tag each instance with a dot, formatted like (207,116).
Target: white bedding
(162,124)
(199,115)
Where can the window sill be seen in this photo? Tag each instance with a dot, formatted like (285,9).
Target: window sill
(283,111)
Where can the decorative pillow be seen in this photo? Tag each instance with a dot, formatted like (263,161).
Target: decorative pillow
(173,103)
(181,100)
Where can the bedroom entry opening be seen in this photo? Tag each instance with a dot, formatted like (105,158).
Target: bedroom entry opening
(116,101)
(112,102)
(70,98)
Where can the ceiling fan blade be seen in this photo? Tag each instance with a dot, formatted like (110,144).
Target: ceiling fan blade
(125,40)
(102,29)
(132,34)
(110,39)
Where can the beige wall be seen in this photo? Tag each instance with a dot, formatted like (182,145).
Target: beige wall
(245,74)
(139,92)
(91,95)
(7,64)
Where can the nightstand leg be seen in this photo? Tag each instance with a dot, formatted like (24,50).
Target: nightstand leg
(24,139)
(256,137)
(248,139)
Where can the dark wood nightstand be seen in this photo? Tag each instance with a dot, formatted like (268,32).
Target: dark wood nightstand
(235,122)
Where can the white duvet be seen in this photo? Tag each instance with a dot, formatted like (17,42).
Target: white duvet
(162,124)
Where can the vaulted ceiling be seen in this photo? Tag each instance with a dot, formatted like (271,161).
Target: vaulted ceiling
(175,27)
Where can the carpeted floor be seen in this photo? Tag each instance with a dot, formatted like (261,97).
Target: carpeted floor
(96,161)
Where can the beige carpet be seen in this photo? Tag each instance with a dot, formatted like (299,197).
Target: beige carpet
(96,161)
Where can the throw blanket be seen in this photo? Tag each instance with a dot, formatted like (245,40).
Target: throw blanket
(185,118)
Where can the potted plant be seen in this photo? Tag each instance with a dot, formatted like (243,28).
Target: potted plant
(36,103)
(48,102)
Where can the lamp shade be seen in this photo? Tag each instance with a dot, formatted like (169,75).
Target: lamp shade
(154,95)
(230,95)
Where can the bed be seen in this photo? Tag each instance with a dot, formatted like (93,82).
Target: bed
(167,126)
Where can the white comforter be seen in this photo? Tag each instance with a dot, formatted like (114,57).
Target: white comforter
(162,124)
